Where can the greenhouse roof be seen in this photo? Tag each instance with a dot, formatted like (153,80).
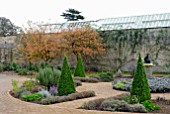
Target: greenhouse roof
(132,22)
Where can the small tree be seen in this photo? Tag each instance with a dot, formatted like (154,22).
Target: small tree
(85,41)
(35,44)
(140,87)
(79,71)
(72,15)
(7,28)
(65,83)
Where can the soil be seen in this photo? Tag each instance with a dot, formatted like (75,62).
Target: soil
(164,107)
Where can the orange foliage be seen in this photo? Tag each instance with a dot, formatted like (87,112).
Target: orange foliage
(36,45)
(85,41)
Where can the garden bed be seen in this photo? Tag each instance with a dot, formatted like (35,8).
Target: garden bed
(105,77)
(47,99)
(120,103)
(156,84)
(164,106)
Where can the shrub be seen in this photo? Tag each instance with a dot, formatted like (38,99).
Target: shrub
(77,83)
(136,108)
(53,90)
(160,85)
(12,66)
(57,74)
(24,71)
(24,93)
(107,77)
(44,93)
(37,88)
(31,67)
(15,86)
(156,84)
(48,77)
(140,86)
(111,104)
(126,97)
(120,85)
(65,84)
(96,77)
(19,92)
(32,97)
(134,99)
(149,105)
(1,67)
(86,79)
(43,65)
(92,105)
(122,96)
(70,97)
(79,71)
(29,85)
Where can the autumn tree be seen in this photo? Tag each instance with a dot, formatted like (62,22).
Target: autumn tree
(36,44)
(85,41)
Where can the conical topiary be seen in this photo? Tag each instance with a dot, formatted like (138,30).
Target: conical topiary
(65,83)
(140,86)
(79,71)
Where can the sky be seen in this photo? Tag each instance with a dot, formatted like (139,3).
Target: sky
(20,11)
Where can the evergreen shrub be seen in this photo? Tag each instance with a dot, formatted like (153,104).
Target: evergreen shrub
(79,71)
(65,83)
(140,87)
(48,77)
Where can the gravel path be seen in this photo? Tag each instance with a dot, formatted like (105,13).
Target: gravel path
(10,105)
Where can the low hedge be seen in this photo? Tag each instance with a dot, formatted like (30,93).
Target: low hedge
(87,79)
(108,77)
(113,104)
(77,83)
(24,71)
(70,97)
(165,73)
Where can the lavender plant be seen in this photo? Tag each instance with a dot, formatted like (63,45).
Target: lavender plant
(53,90)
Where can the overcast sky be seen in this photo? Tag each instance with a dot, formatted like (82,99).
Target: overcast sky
(20,11)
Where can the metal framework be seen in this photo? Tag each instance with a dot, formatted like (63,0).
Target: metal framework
(120,23)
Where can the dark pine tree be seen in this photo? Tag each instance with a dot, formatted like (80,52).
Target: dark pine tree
(72,15)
